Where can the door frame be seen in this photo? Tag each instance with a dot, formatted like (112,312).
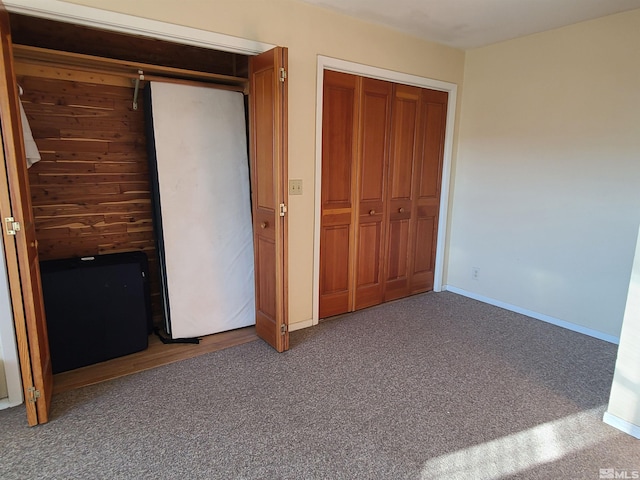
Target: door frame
(116,22)
(329,63)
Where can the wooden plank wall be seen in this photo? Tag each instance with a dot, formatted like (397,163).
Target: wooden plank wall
(90,192)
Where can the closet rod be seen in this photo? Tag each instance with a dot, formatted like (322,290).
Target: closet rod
(44,56)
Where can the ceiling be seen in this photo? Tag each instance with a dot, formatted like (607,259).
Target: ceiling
(475,23)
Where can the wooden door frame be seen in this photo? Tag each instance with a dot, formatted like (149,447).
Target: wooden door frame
(115,22)
(329,63)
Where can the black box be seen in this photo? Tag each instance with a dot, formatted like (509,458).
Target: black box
(97,308)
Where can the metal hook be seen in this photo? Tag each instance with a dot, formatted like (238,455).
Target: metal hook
(137,88)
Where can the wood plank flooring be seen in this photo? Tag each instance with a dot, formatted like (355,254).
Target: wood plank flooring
(156,355)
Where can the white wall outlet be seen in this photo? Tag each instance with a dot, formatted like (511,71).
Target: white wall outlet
(475,273)
(295,187)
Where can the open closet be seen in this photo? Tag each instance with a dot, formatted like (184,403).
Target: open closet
(382,157)
(92,191)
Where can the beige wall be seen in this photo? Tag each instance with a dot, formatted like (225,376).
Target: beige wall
(546,195)
(307,31)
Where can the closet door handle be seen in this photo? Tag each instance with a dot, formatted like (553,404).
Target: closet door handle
(372,212)
(401,210)
(264,224)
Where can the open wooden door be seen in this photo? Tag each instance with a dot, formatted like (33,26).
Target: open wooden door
(268,145)
(21,247)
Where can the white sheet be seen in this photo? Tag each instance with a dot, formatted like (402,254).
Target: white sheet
(31,149)
(203,178)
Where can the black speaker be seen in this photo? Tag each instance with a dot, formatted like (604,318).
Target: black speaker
(97,308)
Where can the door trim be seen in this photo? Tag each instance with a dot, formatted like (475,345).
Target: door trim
(117,22)
(329,63)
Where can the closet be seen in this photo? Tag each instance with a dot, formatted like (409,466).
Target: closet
(91,191)
(382,153)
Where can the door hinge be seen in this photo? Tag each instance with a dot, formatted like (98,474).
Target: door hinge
(283,209)
(283,74)
(33,394)
(283,329)
(11,225)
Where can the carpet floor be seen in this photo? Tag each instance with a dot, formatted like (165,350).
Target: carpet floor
(435,386)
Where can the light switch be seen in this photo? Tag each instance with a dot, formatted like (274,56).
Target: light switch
(295,187)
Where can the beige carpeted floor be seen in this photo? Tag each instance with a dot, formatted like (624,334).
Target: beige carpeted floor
(436,386)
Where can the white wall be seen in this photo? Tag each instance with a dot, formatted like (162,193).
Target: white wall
(547,181)
(624,402)
(10,384)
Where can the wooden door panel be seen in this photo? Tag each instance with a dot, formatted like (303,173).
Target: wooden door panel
(404,149)
(424,229)
(376,98)
(334,273)
(265,299)
(372,166)
(368,257)
(403,143)
(398,250)
(268,147)
(266,308)
(433,112)
(339,148)
(338,121)
(336,239)
(22,249)
(369,279)
(429,186)
(265,190)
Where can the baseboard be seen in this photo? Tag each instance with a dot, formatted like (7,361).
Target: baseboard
(622,425)
(300,325)
(538,316)
(6,403)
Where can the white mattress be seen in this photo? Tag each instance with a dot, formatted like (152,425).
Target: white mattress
(203,180)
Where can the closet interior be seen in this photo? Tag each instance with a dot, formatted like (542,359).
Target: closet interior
(82,93)
(382,154)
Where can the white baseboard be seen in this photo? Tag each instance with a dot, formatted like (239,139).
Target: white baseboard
(538,316)
(622,425)
(7,403)
(300,325)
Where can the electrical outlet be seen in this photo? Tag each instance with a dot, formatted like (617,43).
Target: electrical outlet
(475,273)
(295,187)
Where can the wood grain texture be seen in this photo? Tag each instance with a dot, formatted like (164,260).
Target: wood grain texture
(69,37)
(372,166)
(36,369)
(382,157)
(156,355)
(339,151)
(268,127)
(90,192)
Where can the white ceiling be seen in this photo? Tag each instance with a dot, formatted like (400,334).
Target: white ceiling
(475,23)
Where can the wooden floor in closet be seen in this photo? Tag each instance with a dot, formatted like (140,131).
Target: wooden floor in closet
(156,355)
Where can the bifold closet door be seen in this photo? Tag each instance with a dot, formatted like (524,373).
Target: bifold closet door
(382,153)
(427,186)
(356,116)
(405,148)
(339,149)
(371,179)
(206,237)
